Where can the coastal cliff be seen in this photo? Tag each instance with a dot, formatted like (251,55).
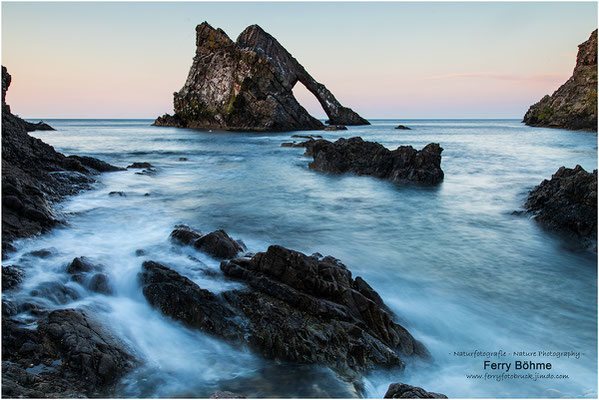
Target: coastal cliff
(574,105)
(247,86)
(34,176)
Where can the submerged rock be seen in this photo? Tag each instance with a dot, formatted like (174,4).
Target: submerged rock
(35,176)
(140,165)
(297,308)
(567,202)
(574,104)
(226,395)
(402,127)
(247,85)
(356,156)
(403,391)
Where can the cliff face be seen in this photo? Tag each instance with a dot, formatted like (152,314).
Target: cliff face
(247,85)
(574,104)
(34,176)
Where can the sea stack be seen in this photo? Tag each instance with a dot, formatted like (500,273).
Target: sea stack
(574,105)
(247,86)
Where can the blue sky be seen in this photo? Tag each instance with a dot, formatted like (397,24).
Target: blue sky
(385,60)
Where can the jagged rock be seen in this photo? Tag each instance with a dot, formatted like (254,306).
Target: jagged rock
(35,176)
(218,244)
(574,104)
(40,126)
(12,276)
(185,235)
(181,299)
(296,307)
(356,156)
(567,202)
(99,283)
(77,355)
(402,127)
(82,264)
(140,165)
(335,128)
(247,85)
(307,136)
(403,391)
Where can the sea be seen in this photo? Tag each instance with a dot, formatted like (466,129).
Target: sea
(464,270)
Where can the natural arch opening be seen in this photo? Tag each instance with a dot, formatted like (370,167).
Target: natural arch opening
(308,101)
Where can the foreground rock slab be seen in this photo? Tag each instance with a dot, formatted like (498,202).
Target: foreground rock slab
(567,202)
(574,104)
(298,308)
(359,157)
(403,391)
(247,86)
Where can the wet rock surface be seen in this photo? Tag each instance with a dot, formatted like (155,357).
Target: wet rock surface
(403,391)
(69,355)
(402,127)
(359,157)
(298,308)
(574,104)
(35,176)
(255,78)
(218,244)
(12,276)
(567,202)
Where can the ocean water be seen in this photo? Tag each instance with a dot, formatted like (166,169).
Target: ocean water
(458,268)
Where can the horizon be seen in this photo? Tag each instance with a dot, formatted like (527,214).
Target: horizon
(442,61)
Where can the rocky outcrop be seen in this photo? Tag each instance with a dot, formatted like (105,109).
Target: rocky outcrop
(34,176)
(218,244)
(299,308)
(69,355)
(359,157)
(403,127)
(567,202)
(403,391)
(574,104)
(247,86)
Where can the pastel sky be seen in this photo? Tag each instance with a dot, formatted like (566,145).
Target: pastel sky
(384,60)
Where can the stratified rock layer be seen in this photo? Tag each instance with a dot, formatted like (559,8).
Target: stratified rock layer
(247,86)
(296,307)
(359,157)
(574,104)
(34,176)
(402,391)
(567,202)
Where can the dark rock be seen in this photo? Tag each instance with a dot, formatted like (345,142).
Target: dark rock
(181,299)
(55,291)
(182,158)
(82,264)
(12,276)
(99,283)
(140,252)
(185,235)
(39,126)
(402,127)
(307,136)
(95,164)
(306,309)
(286,144)
(574,104)
(140,165)
(356,156)
(403,391)
(567,202)
(335,128)
(74,353)
(226,395)
(256,76)
(42,253)
(120,194)
(34,177)
(147,171)
(218,244)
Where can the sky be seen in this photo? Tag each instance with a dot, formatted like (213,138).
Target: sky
(384,60)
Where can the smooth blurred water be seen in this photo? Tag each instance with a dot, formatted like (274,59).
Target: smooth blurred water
(457,267)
